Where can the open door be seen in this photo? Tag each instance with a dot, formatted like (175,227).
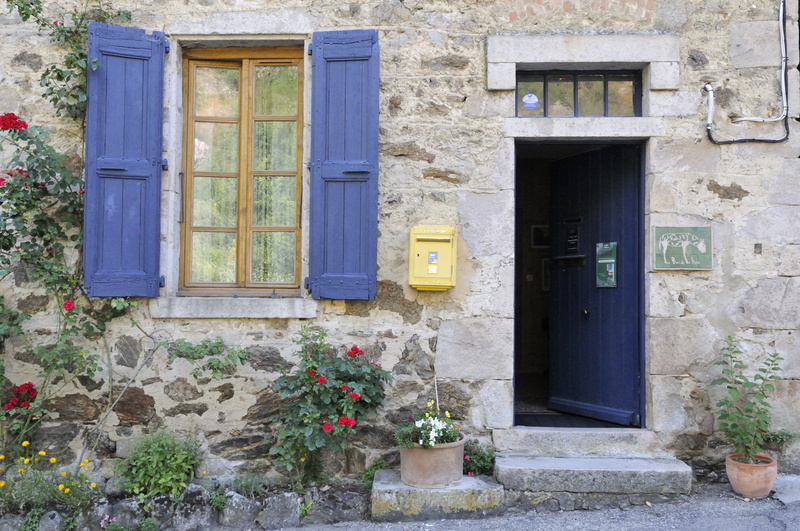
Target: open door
(595,362)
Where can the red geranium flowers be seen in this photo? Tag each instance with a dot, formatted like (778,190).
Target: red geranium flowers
(11,121)
(22,397)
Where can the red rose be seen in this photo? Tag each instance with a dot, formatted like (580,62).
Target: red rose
(55,23)
(343,420)
(320,379)
(355,351)
(12,121)
(8,407)
(32,393)
(2,182)
(311,372)
(345,388)
(68,305)
(355,396)
(351,421)
(25,404)
(327,427)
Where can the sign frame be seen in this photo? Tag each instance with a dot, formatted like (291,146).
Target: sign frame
(682,249)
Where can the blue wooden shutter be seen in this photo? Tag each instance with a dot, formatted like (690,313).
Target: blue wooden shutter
(344,165)
(123,161)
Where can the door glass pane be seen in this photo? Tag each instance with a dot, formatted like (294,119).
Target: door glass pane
(274,202)
(274,146)
(273,257)
(214,202)
(530,97)
(213,257)
(216,147)
(560,96)
(590,96)
(620,96)
(276,91)
(216,92)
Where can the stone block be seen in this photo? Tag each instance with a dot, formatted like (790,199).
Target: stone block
(672,103)
(662,300)
(474,497)
(578,442)
(501,76)
(755,44)
(664,75)
(780,224)
(585,128)
(787,344)
(280,511)
(594,474)
(784,189)
(239,510)
(674,346)
(557,50)
(683,155)
(475,349)
(487,222)
(497,398)
(772,303)
(789,260)
(668,400)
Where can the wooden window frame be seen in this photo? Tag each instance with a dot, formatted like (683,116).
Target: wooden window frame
(607,75)
(247,59)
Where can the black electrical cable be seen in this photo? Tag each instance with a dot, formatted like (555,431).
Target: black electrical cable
(785,137)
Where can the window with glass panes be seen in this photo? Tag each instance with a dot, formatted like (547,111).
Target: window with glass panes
(570,94)
(242,174)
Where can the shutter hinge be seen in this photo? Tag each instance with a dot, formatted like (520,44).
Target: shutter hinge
(162,281)
(166,46)
(164,164)
(308,285)
(309,165)
(310,49)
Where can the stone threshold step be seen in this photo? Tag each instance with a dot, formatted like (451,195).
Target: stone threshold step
(474,497)
(578,442)
(608,475)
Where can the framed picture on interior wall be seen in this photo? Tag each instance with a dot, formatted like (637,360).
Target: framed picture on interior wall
(540,236)
(545,274)
(682,248)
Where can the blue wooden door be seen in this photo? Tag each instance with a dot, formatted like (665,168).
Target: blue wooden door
(596,332)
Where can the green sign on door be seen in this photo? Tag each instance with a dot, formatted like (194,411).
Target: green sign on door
(682,248)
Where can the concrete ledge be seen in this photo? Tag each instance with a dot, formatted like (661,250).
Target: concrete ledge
(231,308)
(474,497)
(585,128)
(594,475)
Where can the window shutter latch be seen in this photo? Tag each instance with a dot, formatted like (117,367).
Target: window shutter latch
(162,281)
(308,284)
(164,164)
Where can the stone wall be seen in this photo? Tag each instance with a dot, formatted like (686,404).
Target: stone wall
(447,158)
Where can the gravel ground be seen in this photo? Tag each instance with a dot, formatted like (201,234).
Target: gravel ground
(711,507)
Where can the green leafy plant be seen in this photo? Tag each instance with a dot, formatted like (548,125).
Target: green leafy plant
(427,428)
(161,463)
(249,484)
(744,411)
(212,356)
(305,508)
(478,459)
(327,394)
(218,501)
(368,476)
(779,437)
(148,524)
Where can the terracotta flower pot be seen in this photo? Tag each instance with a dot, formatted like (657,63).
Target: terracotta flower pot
(752,480)
(433,468)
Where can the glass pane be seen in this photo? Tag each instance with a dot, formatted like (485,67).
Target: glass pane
(274,146)
(560,96)
(530,97)
(216,147)
(276,90)
(620,96)
(590,96)
(213,257)
(274,202)
(214,202)
(216,92)
(273,257)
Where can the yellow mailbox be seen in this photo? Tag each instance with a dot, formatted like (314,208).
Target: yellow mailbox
(432,257)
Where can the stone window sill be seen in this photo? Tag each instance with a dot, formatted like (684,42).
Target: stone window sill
(231,308)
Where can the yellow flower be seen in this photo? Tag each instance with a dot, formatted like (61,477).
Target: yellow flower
(63,474)
(2,483)
(88,468)
(302,459)
(85,460)
(66,491)
(52,459)
(25,443)
(93,485)
(447,414)
(42,452)
(205,471)
(61,487)
(2,457)
(80,353)
(27,461)
(430,403)
(21,471)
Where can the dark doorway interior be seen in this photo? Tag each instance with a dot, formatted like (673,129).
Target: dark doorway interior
(540,199)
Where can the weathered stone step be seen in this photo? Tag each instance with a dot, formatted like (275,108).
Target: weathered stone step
(606,475)
(578,442)
(474,497)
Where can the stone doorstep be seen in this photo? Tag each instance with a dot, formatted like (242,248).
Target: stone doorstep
(474,497)
(610,475)
(579,442)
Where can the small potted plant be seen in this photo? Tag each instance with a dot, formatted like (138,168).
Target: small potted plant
(745,420)
(431,449)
